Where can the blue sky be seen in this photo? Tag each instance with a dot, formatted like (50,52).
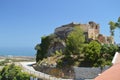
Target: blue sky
(24,22)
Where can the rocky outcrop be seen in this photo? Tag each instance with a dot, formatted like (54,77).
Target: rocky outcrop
(90,30)
(58,46)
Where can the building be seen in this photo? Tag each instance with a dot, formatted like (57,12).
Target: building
(91,32)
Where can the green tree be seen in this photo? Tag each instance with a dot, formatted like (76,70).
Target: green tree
(112,27)
(43,47)
(75,41)
(103,60)
(106,55)
(118,24)
(74,46)
(46,42)
(92,53)
(12,72)
(108,51)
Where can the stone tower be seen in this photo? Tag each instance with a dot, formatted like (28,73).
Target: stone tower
(93,30)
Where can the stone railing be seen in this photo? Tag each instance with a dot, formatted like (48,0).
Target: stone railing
(30,70)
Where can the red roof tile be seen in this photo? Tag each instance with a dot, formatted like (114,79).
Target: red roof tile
(112,73)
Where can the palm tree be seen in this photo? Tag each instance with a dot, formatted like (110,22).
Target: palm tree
(118,24)
(112,27)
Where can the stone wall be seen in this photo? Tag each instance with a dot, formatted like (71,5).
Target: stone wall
(82,73)
(90,30)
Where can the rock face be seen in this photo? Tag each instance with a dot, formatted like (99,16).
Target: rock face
(56,47)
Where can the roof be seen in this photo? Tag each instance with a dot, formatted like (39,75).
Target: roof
(112,73)
(116,58)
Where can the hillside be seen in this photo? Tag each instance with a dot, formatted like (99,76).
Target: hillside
(57,41)
(71,45)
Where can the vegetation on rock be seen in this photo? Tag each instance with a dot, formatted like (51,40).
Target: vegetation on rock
(74,42)
(42,49)
(78,52)
(92,53)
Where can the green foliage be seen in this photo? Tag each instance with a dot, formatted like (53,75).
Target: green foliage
(106,55)
(74,42)
(108,51)
(43,47)
(59,53)
(74,47)
(93,50)
(112,27)
(102,62)
(77,51)
(66,61)
(12,72)
(118,23)
(98,55)
(4,62)
(91,53)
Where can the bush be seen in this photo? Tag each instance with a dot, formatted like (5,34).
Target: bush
(12,72)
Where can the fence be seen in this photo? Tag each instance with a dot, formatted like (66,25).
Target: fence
(81,73)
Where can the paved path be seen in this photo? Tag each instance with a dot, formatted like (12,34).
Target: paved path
(27,68)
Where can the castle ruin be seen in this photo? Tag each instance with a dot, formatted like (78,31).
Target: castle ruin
(91,32)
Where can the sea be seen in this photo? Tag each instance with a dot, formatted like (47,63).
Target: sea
(26,51)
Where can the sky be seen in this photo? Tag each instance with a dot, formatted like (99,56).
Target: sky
(24,22)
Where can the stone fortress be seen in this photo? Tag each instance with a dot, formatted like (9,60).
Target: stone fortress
(91,32)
